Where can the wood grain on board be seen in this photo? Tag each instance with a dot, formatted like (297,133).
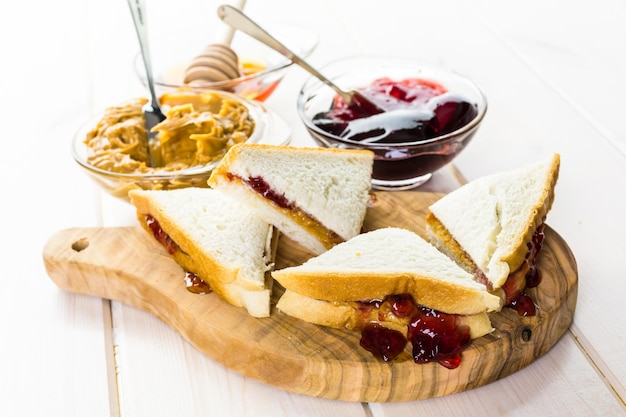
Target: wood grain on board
(128,265)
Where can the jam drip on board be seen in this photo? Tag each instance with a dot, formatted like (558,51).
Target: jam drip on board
(434,336)
(196,284)
(415,110)
(382,342)
(193,283)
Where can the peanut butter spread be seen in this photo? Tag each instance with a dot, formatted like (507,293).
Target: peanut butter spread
(198,129)
(314,227)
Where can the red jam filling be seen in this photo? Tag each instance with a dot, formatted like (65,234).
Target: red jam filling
(259,185)
(415,109)
(434,336)
(527,276)
(163,238)
(328,237)
(533,277)
(193,283)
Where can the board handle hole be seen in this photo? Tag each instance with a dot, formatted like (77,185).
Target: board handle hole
(80,244)
(526,334)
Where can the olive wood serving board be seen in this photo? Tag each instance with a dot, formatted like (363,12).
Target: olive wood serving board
(128,265)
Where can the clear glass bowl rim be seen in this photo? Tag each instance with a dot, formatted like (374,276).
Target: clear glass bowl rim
(276,68)
(305,95)
(258,111)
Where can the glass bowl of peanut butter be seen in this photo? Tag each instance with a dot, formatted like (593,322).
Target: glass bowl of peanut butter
(198,131)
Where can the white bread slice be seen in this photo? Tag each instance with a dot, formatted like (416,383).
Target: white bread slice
(341,315)
(324,192)
(385,262)
(488,223)
(220,240)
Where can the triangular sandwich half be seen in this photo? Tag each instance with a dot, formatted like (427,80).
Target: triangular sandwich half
(353,285)
(492,226)
(216,238)
(316,196)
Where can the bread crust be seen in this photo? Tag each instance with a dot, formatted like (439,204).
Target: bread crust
(318,312)
(234,152)
(441,238)
(536,217)
(190,257)
(342,315)
(301,224)
(343,286)
(223,280)
(308,231)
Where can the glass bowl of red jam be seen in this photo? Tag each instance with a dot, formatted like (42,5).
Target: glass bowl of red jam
(424,115)
(261,68)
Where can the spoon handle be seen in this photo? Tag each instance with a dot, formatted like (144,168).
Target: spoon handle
(138,10)
(238,20)
(152,112)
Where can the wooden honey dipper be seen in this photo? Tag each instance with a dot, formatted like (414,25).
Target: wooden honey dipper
(216,63)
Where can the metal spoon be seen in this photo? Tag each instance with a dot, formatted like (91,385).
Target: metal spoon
(151,110)
(238,20)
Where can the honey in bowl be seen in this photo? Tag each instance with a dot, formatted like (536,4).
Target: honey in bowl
(252,84)
(220,67)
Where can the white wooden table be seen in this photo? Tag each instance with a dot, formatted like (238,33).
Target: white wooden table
(553,72)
